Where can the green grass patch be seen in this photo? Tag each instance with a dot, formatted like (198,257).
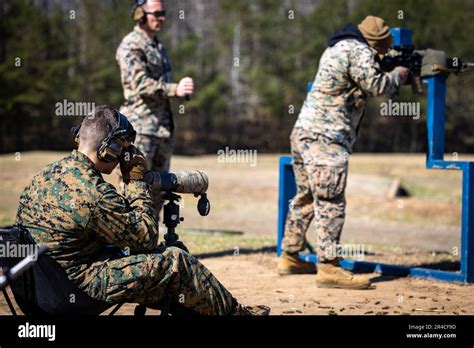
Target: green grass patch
(430,191)
(233,244)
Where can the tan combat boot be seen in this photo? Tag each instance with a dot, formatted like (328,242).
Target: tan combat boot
(291,264)
(331,275)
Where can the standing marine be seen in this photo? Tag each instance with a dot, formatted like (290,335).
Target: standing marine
(321,141)
(148,87)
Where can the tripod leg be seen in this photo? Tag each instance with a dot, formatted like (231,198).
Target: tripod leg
(116,308)
(165,309)
(140,311)
(9,302)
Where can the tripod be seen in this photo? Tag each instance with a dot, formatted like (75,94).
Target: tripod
(171,218)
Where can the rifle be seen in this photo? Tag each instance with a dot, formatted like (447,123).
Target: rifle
(422,63)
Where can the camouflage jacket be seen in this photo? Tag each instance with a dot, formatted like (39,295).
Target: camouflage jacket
(69,207)
(146,80)
(347,74)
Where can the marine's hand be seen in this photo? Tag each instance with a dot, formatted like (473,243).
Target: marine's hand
(132,164)
(403,72)
(185,87)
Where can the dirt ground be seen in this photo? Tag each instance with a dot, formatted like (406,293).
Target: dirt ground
(252,280)
(421,229)
(298,294)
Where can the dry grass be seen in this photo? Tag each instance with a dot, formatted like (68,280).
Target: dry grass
(244,198)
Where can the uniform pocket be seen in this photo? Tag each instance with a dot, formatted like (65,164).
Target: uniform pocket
(330,182)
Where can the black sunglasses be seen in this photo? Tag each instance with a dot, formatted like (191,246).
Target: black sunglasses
(157,14)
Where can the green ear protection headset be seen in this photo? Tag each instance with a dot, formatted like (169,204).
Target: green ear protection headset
(112,147)
(138,12)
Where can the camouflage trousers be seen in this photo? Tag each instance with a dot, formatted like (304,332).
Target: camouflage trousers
(158,152)
(320,168)
(150,278)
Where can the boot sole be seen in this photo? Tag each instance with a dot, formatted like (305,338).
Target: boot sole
(331,285)
(284,272)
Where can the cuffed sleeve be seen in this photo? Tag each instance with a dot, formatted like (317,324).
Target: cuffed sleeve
(171,89)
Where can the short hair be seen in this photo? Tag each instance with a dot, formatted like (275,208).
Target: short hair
(96,126)
(148,1)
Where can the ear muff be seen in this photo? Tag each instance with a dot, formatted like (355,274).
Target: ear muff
(110,151)
(113,145)
(111,148)
(138,12)
(75,132)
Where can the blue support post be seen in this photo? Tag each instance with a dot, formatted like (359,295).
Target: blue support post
(435,122)
(287,190)
(401,36)
(467,237)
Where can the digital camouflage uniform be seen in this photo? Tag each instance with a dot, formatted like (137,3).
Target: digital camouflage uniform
(323,137)
(69,207)
(146,80)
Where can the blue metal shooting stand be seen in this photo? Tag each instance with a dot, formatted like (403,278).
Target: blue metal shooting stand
(435,123)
